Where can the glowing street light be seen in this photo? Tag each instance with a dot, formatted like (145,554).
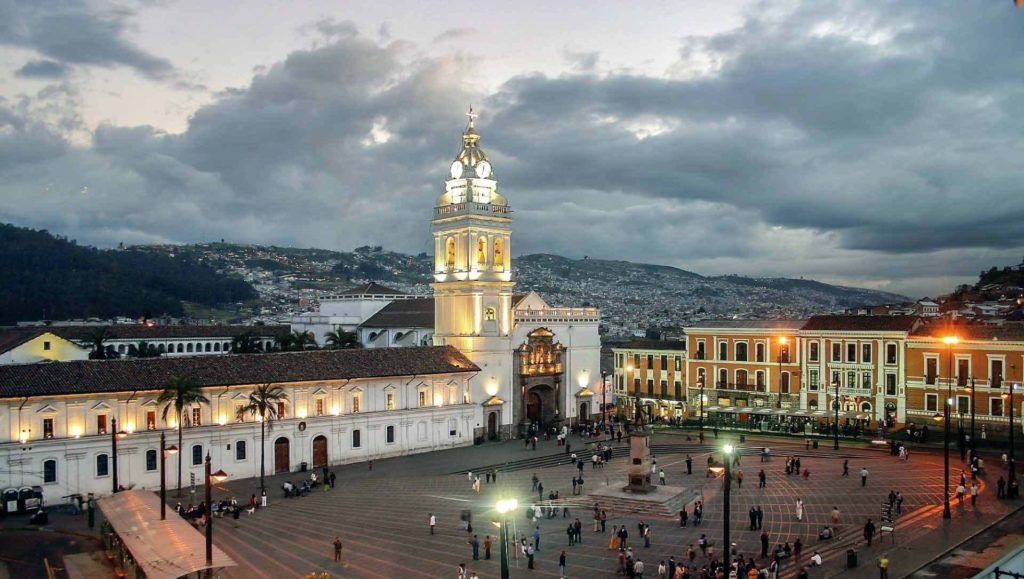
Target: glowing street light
(504,507)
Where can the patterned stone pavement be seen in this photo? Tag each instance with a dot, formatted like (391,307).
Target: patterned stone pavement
(381,514)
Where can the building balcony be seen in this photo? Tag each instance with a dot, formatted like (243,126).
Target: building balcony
(549,315)
(471,207)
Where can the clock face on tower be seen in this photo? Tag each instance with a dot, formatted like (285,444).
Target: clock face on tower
(456,170)
(483,169)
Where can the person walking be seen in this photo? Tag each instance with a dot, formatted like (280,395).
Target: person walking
(613,541)
(974,494)
(540,491)
(536,537)
(764,544)
(578,527)
(561,564)
(337,549)
(604,519)
(682,516)
(689,464)
(661,476)
(760,518)
(1001,488)
(761,479)
(739,479)
(475,543)
(798,547)
(638,569)
(869,531)
(799,509)
(835,515)
(432,521)
(864,477)
(571,532)
(752,515)
(529,555)
(883,567)
(846,467)
(647,536)
(487,546)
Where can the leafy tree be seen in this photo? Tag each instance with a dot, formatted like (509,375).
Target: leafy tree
(262,404)
(342,340)
(180,393)
(283,341)
(99,348)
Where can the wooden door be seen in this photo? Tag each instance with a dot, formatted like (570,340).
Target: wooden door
(319,451)
(282,456)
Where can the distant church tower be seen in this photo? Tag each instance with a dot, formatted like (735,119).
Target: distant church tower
(473,284)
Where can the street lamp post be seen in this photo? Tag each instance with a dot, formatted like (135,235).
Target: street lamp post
(219,476)
(1012,475)
(972,418)
(164,451)
(604,400)
(504,507)
(700,424)
(835,431)
(629,374)
(114,436)
(728,483)
(949,341)
(782,344)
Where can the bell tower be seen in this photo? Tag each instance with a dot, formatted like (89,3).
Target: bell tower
(472,229)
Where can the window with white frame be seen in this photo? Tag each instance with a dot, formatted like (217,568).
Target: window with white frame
(723,351)
(390,398)
(357,438)
(851,353)
(995,406)
(453,395)
(240,450)
(197,416)
(865,353)
(865,381)
(995,373)
(700,349)
(49,471)
(890,354)
(813,379)
(197,454)
(931,402)
(357,402)
(837,352)
(102,465)
(812,352)
(389,434)
(151,460)
(741,351)
(453,426)
(890,384)
(318,406)
(963,404)
(931,369)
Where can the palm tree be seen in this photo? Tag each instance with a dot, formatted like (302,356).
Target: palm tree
(303,340)
(342,340)
(180,393)
(100,351)
(143,350)
(263,404)
(283,341)
(246,343)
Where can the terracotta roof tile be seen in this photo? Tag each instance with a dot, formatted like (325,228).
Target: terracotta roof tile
(854,323)
(84,377)
(414,313)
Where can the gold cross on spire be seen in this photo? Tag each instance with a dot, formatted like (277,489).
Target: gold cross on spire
(472,116)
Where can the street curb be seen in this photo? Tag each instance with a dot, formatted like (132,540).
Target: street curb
(969,538)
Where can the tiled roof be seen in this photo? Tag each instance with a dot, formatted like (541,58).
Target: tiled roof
(645,344)
(85,377)
(853,323)
(13,337)
(414,313)
(372,288)
(751,324)
(1009,332)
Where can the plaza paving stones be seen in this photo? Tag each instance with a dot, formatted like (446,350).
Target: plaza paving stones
(381,514)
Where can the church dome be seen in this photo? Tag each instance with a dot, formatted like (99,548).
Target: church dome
(471,176)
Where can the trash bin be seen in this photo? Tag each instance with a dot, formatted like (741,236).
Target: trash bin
(851,559)
(303,466)
(815,444)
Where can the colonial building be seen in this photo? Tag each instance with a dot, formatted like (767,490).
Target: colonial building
(57,420)
(865,356)
(654,371)
(745,366)
(976,371)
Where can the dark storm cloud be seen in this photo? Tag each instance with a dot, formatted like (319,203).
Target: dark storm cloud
(48,69)
(75,33)
(844,141)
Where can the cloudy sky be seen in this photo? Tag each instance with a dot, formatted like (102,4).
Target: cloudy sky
(875,143)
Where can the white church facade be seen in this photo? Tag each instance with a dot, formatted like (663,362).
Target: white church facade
(540,365)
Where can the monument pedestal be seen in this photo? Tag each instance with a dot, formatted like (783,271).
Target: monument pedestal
(640,462)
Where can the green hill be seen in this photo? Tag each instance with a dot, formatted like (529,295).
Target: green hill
(43,276)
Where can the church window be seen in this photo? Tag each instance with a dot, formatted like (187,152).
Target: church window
(499,258)
(481,251)
(450,253)
(491,315)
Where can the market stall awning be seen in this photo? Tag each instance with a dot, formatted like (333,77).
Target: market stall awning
(162,549)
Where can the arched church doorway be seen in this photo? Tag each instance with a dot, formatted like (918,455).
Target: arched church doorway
(282,456)
(492,425)
(541,409)
(584,411)
(319,451)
